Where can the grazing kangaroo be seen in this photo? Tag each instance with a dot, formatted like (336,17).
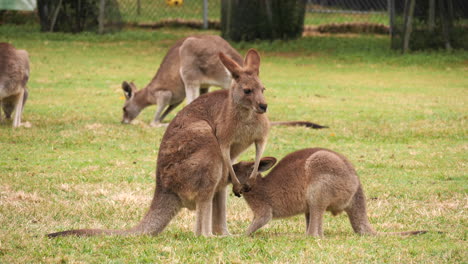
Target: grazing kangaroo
(190,67)
(14,75)
(195,157)
(309,181)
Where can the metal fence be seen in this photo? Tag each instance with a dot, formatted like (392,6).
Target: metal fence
(153,11)
(319,12)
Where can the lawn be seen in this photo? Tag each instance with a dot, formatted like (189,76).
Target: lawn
(400,119)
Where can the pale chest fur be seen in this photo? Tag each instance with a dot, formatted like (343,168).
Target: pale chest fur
(255,129)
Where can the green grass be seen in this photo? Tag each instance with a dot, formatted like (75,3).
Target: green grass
(400,119)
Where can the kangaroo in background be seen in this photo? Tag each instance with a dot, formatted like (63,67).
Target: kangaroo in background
(195,157)
(309,181)
(189,68)
(14,75)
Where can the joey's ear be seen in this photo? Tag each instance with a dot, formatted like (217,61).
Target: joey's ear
(252,61)
(266,163)
(129,89)
(231,65)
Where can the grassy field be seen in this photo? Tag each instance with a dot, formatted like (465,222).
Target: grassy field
(400,119)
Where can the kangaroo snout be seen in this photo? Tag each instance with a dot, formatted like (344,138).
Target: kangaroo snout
(262,108)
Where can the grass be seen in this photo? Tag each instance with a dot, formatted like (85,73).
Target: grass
(400,119)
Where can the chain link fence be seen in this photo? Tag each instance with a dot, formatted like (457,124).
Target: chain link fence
(323,16)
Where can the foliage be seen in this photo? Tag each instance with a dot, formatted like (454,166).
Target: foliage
(400,119)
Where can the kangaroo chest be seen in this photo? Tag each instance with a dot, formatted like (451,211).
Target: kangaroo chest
(245,135)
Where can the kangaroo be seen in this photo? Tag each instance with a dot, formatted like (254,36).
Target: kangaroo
(189,68)
(195,157)
(14,75)
(309,181)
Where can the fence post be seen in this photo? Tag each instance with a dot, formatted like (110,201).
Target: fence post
(138,7)
(408,27)
(102,6)
(205,14)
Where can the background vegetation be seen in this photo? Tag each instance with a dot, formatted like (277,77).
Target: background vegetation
(400,119)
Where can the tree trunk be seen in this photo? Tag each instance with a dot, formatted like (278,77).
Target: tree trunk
(246,20)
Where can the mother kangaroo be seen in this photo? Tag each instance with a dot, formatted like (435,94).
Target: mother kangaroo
(195,156)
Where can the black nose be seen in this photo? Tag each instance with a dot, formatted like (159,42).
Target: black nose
(263,107)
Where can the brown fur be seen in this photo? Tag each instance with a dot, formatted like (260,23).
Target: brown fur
(309,181)
(189,68)
(14,75)
(195,156)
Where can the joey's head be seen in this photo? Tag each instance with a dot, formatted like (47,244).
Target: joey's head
(131,108)
(247,90)
(243,169)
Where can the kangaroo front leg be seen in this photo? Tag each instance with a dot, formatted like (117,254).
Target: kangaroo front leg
(163,99)
(203,225)
(192,91)
(259,149)
(260,219)
(219,213)
(1,111)
(168,110)
(236,185)
(18,109)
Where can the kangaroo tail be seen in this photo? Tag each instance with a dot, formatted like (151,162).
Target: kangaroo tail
(406,233)
(163,208)
(298,123)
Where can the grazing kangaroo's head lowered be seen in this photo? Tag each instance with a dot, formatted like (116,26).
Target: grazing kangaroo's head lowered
(133,104)
(190,68)
(195,156)
(310,182)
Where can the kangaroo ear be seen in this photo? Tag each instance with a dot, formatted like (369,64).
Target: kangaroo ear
(266,163)
(231,65)
(129,89)
(252,61)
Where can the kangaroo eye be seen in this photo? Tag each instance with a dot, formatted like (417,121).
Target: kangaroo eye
(247,91)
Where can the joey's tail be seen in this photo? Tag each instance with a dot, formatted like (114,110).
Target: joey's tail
(298,123)
(357,214)
(163,208)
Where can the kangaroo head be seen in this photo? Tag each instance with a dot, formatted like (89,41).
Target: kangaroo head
(243,169)
(247,90)
(131,108)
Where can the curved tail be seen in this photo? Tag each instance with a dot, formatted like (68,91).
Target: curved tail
(163,208)
(298,123)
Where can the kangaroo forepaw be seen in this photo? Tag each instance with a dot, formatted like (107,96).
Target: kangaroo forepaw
(237,190)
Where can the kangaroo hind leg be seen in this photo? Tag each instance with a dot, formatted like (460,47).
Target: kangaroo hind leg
(18,109)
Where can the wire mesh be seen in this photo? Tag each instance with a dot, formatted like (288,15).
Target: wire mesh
(320,12)
(147,11)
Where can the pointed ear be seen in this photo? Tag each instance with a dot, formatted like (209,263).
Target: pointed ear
(129,89)
(252,61)
(231,65)
(266,163)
